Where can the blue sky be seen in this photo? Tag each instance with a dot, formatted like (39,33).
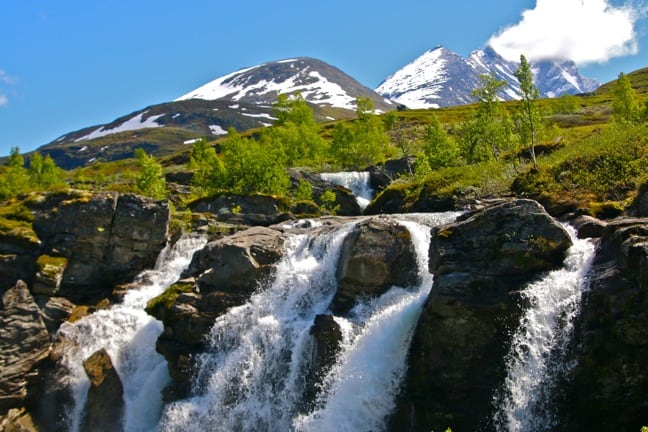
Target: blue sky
(68,64)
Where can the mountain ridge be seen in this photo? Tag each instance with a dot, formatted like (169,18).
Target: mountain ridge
(440,78)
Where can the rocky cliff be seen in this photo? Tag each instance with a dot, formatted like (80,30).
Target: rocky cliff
(79,246)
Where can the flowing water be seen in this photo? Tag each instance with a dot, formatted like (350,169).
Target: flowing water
(252,377)
(129,335)
(356,181)
(537,355)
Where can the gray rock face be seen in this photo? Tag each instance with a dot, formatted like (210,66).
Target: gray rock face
(377,255)
(105,406)
(607,390)
(24,343)
(108,238)
(457,355)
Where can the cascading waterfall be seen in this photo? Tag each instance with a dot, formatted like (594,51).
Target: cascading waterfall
(252,377)
(129,335)
(356,181)
(536,357)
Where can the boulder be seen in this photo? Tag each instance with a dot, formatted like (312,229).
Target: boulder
(457,356)
(238,262)
(24,343)
(376,255)
(107,238)
(639,206)
(344,198)
(327,337)
(222,275)
(105,405)
(17,420)
(263,210)
(54,311)
(588,226)
(607,389)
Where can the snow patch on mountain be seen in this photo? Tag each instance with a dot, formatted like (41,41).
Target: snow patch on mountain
(134,123)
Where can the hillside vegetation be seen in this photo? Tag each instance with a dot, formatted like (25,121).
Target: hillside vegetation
(591,154)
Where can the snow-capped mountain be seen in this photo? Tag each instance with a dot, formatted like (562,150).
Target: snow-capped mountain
(242,99)
(319,83)
(441,78)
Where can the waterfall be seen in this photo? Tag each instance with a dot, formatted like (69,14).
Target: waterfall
(537,354)
(252,376)
(356,182)
(129,335)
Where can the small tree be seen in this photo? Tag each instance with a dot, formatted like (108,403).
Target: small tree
(208,169)
(43,172)
(625,103)
(487,133)
(296,131)
(362,142)
(439,149)
(149,181)
(15,179)
(529,115)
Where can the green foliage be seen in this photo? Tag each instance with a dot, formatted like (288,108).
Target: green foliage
(296,132)
(14,180)
(253,167)
(565,104)
(329,202)
(625,103)
(208,169)
(486,133)
(43,172)
(528,119)
(361,143)
(304,191)
(607,166)
(150,181)
(439,149)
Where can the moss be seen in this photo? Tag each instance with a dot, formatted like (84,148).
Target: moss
(51,266)
(607,209)
(444,232)
(156,305)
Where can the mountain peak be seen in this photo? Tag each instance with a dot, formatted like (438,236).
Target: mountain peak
(317,81)
(440,77)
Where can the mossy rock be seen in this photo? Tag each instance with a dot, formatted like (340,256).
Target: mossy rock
(158,306)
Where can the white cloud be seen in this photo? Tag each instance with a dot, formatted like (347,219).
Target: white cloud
(5,81)
(586,31)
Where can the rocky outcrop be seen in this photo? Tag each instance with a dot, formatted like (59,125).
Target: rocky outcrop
(608,389)
(222,275)
(639,206)
(106,238)
(104,406)
(327,337)
(344,198)
(255,210)
(24,343)
(457,355)
(376,255)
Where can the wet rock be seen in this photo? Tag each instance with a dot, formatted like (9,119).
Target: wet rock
(377,255)
(17,420)
(457,356)
(327,337)
(24,343)
(222,275)
(607,389)
(588,226)
(105,406)
(54,311)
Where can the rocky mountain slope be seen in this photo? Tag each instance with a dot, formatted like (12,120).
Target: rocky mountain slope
(440,78)
(241,99)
